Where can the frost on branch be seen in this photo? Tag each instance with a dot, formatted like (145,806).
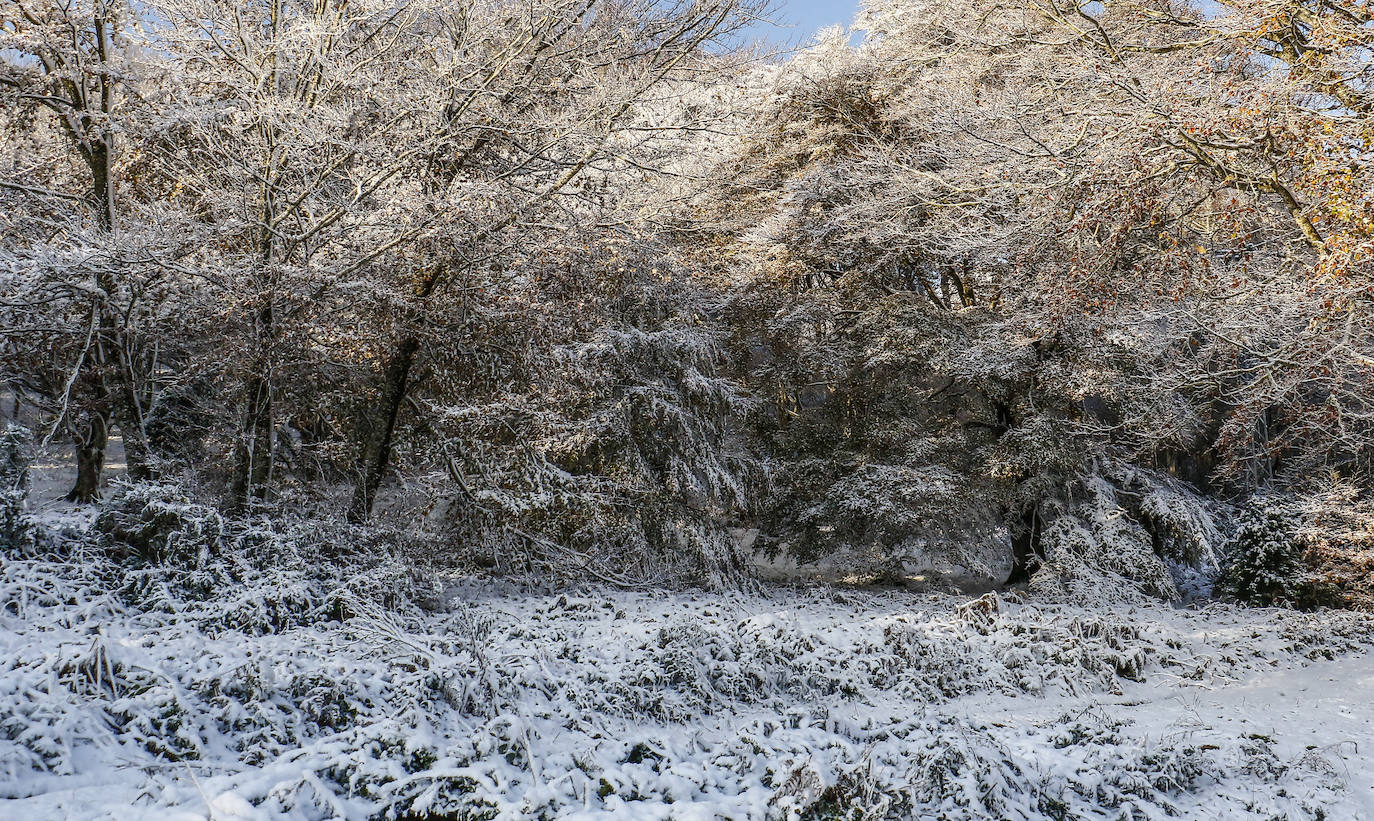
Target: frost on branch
(627,468)
(1127,524)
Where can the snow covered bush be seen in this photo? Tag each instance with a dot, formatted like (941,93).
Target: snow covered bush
(1305,550)
(255,575)
(1185,526)
(1095,545)
(511,703)
(161,522)
(610,456)
(1123,528)
(281,581)
(1264,560)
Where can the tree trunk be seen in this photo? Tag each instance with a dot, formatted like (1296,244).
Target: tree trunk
(102,187)
(128,413)
(1026,554)
(90,458)
(376,453)
(123,405)
(1024,524)
(253,459)
(965,291)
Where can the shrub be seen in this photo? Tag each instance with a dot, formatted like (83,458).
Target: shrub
(1308,551)
(160,522)
(1338,539)
(1264,560)
(1096,549)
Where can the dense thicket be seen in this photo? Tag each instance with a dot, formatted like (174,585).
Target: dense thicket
(585,288)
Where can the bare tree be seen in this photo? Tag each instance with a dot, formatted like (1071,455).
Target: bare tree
(537,114)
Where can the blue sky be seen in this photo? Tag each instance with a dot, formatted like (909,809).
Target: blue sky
(806,16)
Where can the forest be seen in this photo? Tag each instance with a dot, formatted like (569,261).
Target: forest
(535,409)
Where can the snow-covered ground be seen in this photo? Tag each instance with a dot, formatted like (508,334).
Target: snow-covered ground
(252,691)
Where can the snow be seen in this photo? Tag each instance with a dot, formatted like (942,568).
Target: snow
(595,703)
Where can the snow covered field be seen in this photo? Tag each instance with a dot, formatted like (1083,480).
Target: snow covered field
(129,694)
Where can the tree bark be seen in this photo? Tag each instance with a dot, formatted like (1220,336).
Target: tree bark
(90,458)
(376,449)
(1026,554)
(966,294)
(128,413)
(376,453)
(121,398)
(253,468)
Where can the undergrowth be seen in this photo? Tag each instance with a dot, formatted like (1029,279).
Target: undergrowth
(308,671)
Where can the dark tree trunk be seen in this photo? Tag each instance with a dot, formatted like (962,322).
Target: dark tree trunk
(377,437)
(102,189)
(966,295)
(1026,554)
(90,440)
(84,112)
(257,435)
(96,142)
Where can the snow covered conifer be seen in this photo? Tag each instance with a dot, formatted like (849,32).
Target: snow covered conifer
(1264,561)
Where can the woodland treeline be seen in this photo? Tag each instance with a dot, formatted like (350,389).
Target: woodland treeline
(602,288)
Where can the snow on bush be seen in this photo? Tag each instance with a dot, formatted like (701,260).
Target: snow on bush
(1096,546)
(1337,533)
(1188,529)
(1264,564)
(1126,532)
(272,680)
(160,522)
(1308,550)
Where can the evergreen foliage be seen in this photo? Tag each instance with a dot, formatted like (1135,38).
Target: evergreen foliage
(1264,559)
